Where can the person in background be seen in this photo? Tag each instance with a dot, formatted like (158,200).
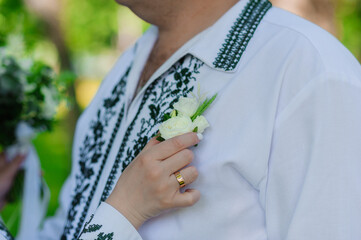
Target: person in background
(8,170)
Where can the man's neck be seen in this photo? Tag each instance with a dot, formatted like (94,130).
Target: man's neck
(187,23)
(178,26)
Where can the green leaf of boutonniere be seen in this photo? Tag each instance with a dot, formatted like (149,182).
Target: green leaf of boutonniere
(203,107)
(166,117)
(159,137)
(174,113)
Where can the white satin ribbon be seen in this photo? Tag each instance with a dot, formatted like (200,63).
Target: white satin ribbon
(35,193)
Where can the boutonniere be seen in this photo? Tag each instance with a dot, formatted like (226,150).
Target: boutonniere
(185,117)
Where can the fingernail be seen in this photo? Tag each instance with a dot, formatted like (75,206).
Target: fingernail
(200,136)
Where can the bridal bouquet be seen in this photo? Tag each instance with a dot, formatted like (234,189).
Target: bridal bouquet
(29,96)
(28,103)
(28,99)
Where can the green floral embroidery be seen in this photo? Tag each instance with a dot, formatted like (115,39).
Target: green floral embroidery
(93,155)
(158,98)
(102,236)
(93,228)
(240,34)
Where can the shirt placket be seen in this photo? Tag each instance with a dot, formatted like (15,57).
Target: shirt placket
(134,105)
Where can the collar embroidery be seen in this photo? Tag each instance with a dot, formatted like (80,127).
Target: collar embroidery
(240,34)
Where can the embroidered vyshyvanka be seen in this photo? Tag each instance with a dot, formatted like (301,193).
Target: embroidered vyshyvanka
(281,159)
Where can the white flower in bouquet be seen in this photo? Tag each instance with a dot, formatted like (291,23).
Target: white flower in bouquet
(28,100)
(50,102)
(28,94)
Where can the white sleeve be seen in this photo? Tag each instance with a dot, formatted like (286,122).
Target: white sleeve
(313,188)
(108,223)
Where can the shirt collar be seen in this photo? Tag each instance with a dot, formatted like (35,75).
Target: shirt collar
(222,45)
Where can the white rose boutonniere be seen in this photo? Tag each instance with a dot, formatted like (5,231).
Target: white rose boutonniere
(186,106)
(176,126)
(200,123)
(185,117)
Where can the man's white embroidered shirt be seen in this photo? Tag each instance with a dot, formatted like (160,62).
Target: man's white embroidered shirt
(281,160)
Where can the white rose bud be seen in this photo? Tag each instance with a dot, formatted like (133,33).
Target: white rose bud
(186,106)
(175,126)
(50,104)
(200,122)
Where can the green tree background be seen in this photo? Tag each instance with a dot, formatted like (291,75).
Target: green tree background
(85,38)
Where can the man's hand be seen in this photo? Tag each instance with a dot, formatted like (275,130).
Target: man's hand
(148,186)
(8,170)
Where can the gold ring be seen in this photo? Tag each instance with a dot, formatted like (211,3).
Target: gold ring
(180,179)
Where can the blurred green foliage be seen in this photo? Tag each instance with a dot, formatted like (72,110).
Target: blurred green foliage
(90,26)
(348,17)
(16,19)
(54,150)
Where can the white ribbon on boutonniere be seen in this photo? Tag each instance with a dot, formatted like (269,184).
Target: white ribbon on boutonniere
(35,191)
(185,117)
